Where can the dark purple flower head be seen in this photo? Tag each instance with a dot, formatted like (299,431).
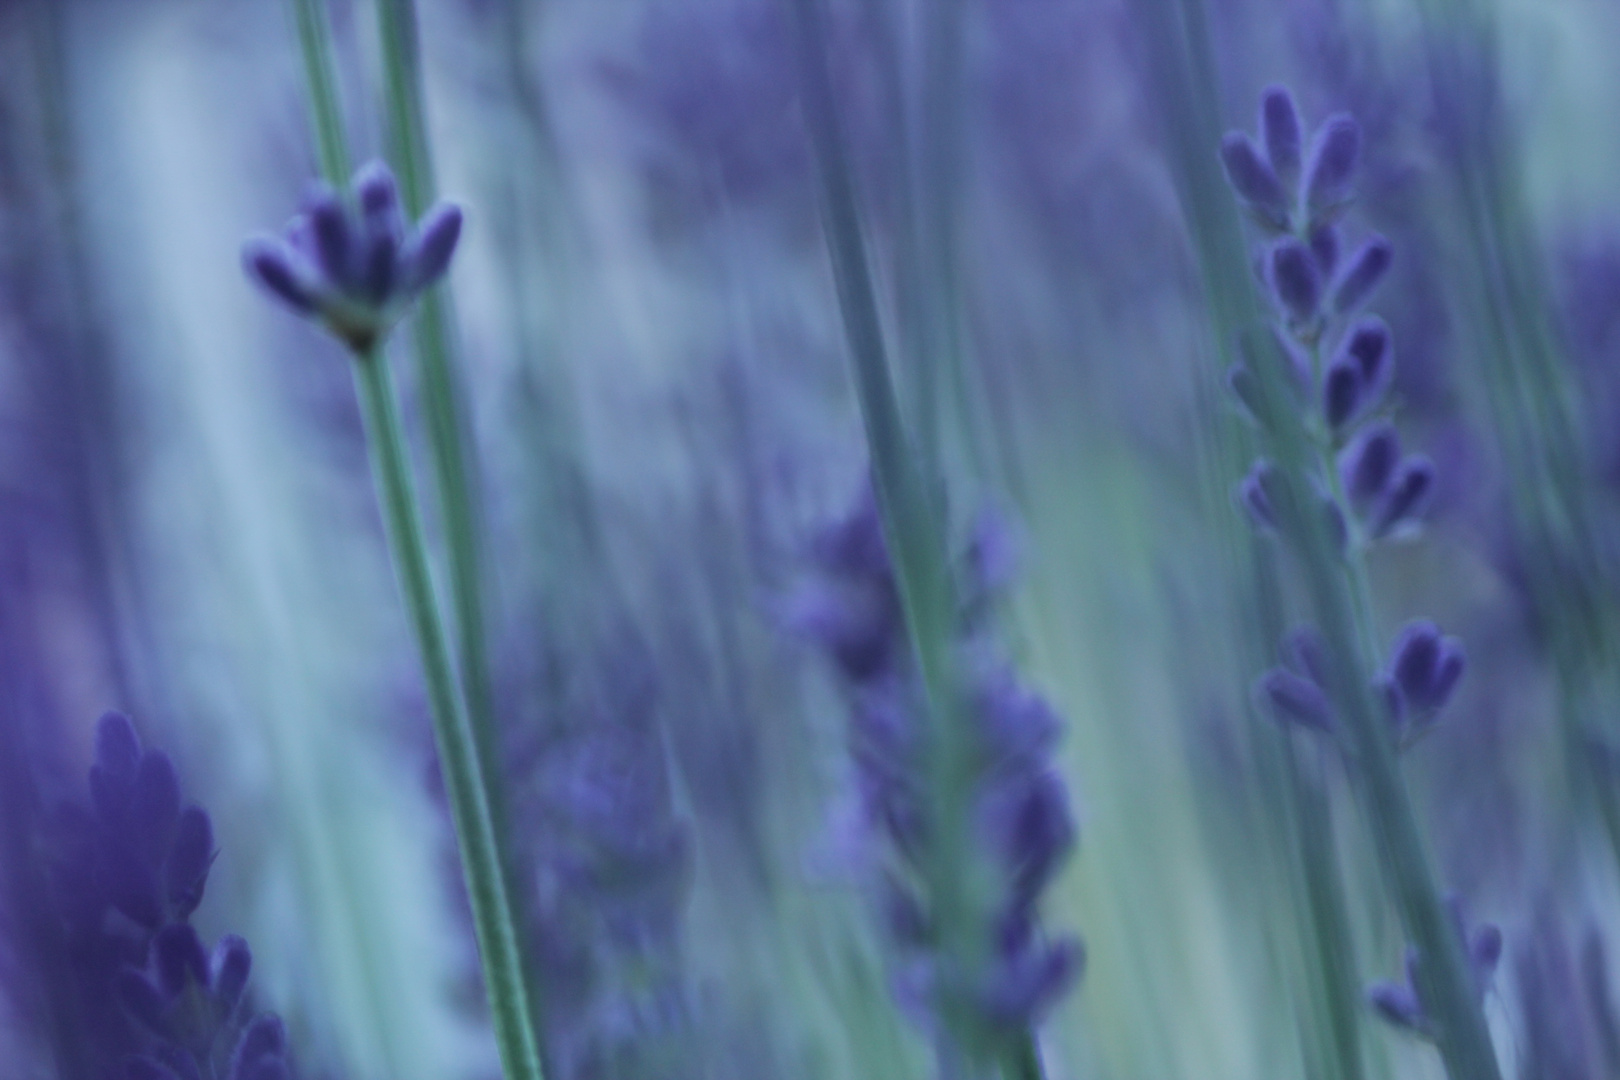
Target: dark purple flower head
(355,267)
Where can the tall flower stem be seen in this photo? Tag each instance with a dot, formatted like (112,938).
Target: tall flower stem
(1337,591)
(913,520)
(442,397)
(458,756)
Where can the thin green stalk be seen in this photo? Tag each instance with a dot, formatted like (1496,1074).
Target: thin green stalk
(442,398)
(315,46)
(458,756)
(909,507)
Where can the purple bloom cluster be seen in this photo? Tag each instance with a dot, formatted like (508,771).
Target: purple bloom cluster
(1020,806)
(355,267)
(1402,1005)
(126,874)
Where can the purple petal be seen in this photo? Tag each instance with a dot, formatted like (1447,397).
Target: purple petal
(1252,177)
(1325,242)
(1341,393)
(1398,1005)
(1408,494)
(1280,129)
(1305,650)
(263,1040)
(331,233)
(192,853)
(228,972)
(270,263)
(1368,463)
(427,256)
(1367,268)
(1334,152)
(1295,699)
(154,801)
(1294,279)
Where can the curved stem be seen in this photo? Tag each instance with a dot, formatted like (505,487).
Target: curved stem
(464,783)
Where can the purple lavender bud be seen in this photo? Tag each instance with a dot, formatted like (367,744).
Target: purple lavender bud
(228,972)
(129,882)
(1406,497)
(1334,151)
(1426,667)
(1252,177)
(1025,986)
(142,1000)
(1033,831)
(1305,650)
(1366,269)
(1398,1005)
(378,194)
(263,1040)
(331,235)
(180,957)
(186,872)
(1259,494)
(1295,699)
(274,266)
(154,801)
(1325,242)
(1368,464)
(380,268)
(1341,392)
(1280,130)
(1367,342)
(1294,280)
(427,256)
(1485,952)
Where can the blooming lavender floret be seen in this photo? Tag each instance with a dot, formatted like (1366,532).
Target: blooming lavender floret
(352,264)
(1401,1004)
(1020,805)
(127,873)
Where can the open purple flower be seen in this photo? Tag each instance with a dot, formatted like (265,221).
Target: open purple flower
(353,264)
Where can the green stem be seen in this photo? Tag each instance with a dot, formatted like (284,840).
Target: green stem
(465,786)
(442,397)
(315,46)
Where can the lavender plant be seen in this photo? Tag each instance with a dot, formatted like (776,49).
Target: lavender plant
(934,759)
(140,993)
(355,268)
(1339,485)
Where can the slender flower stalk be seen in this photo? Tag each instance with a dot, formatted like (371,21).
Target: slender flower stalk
(355,269)
(1329,507)
(912,534)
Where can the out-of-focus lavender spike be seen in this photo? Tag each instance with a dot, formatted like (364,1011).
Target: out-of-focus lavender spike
(1294,279)
(228,971)
(427,256)
(1251,176)
(269,262)
(1280,129)
(1325,241)
(1305,650)
(118,748)
(1295,699)
(1362,274)
(143,1000)
(1030,983)
(1426,666)
(1406,496)
(179,955)
(1368,464)
(1334,153)
(1402,1004)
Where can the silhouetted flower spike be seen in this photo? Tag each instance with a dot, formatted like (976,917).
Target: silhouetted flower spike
(1334,153)
(355,271)
(1280,129)
(1362,274)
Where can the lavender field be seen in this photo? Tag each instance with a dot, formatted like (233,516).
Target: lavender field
(809,539)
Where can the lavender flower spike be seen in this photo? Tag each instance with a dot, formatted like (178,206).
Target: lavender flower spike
(355,268)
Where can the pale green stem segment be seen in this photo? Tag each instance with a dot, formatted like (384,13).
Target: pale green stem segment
(442,397)
(1339,598)
(914,527)
(464,785)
